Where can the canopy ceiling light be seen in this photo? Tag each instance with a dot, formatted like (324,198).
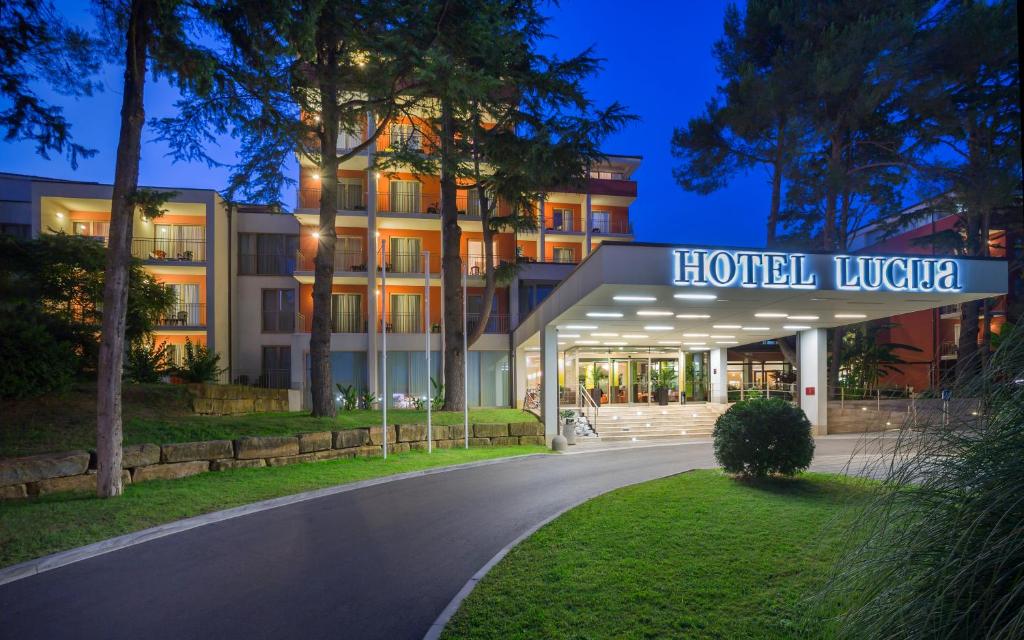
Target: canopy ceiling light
(694,296)
(653,313)
(632,298)
(604,314)
(765,314)
(692,316)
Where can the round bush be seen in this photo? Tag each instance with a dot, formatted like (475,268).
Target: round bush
(763,436)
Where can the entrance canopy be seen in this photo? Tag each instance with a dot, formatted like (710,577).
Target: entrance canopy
(626,296)
(631,294)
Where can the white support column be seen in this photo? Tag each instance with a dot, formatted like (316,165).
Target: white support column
(549,381)
(720,375)
(520,378)
(540,226)
(813,344)
(371,263)
(589,221)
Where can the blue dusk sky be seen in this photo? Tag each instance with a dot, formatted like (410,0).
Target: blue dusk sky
(657,62)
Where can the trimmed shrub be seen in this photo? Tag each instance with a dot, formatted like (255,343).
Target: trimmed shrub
(32,360)
(758,437)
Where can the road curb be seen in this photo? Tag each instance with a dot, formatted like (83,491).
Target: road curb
(63,558)
(437,627)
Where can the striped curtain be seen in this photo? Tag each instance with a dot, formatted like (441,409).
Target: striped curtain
(405,255)
(405,313)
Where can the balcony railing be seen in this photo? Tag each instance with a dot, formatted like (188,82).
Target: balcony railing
(948,349)
(344,262)
(309,198)
(476,264)
(564,224)
(949,310)
(160,250)
(340,322)
(612,225)
(496,323)
(265,379)
(404,322)
(183,314)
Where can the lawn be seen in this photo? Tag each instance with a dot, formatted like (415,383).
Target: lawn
(162,414)
(698,555)
(36,527)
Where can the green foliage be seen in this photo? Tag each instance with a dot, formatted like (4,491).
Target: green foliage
(60,277)
(349,397)
(940,550)
(366,400)
(34,359)
(756,438)
(437,401)
(145,361)
(664,378)
(865,357)
(199,363)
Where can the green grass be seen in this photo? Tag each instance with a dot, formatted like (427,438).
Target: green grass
(698,555)
(37,527)
(162,414)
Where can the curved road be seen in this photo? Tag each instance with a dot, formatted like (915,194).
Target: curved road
(378,562)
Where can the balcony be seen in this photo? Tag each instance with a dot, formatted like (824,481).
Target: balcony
(340,322)
(949,311)
(183,315)
(404,322)
(562,224)
(163,251)
(496,323)
(344,262)
(348,200)
(611,226)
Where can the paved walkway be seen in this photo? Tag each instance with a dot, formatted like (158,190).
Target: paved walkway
(378,562)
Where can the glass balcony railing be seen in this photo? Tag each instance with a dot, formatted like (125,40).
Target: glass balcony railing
(183,315)
(160,250)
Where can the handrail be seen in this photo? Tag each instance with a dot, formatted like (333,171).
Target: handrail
(582,393)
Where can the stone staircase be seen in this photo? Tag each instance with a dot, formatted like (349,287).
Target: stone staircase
(641,423)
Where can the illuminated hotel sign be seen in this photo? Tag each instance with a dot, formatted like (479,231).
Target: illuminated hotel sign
(770,270)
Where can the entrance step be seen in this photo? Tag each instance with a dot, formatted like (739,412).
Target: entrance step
(638,423)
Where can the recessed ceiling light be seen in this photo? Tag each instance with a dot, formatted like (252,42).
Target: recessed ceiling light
(581,326)
(770,315)
(700,349)
(725,326)
(726,342)
(604,335)
(796,327)
(695,343)
(614,344)
(851,315)
(562,342)
(695,335)
(658,327)
(692,316)
(668,342)
(653,313)
(635,336)
(586,342)
(634,298)
(757,328)
(802,317)
(722,337)
(568,335)
(694,296)
(604,314)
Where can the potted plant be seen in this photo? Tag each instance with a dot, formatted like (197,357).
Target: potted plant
(568,419)
(663,379)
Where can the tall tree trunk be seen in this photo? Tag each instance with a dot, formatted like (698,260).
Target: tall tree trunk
(323,278)
(778,166)
(834,362)
(451,268)
(490,278)
(967,347)
(828,236)
(115,283)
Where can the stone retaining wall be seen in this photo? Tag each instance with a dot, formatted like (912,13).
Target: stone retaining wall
(76,470)
(233,399)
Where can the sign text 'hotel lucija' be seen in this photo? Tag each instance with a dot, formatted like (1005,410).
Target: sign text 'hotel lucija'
(771,270)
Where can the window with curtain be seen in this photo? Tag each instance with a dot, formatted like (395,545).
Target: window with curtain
(600,220)
(405,196)
(348,254)
(562,254)
(181,241)
(404,136)
(187,309)
(278,310)
(267,253)
(350,194)
(562,220)
(405,313)
(346,313)
(405,255)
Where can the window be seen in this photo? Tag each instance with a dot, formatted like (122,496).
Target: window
(405,255)
(20,231)
(476,260)
(562,220)
(405,136)
(607,175)
(180,242)
(97,230)
(278,310)
(348,254)
(276,368)
(562,254)
(405,196)
(405,313)
(188,310)
(267,254)
(347,313)
(350,194)
(600,221)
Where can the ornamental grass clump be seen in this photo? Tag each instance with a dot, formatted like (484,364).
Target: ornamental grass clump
(939,552)
(759,437)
